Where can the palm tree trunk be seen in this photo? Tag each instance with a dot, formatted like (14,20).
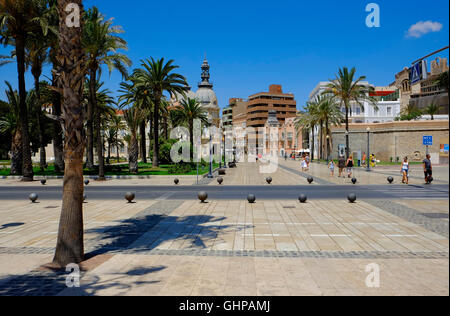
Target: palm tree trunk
(27,165)
(143,141)
(90,118)
(133,155)
(57,136)
(166,128)
(312,143)
(155,157)
(16,153)
(69,247)
(191,140)
(321,141)
(118,157)
(42,155)
(100,158)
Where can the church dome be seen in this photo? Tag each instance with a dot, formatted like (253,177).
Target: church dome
(178,97)
(206,97)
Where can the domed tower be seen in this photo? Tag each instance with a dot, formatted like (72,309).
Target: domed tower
(206,96)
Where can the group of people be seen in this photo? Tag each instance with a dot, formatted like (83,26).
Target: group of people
(427,169)
(304,162)
(372,160)
(342,165)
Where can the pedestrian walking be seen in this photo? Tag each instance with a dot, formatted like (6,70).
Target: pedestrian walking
(331,167)
(428,169)
(307,162)
(303,163)
(373,160)
(341,166)
(405,170)
(364,159)
(350,163)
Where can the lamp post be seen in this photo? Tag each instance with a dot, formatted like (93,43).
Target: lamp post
(224,149)
(347,145)
(328,149)
(210,175)
(368,150)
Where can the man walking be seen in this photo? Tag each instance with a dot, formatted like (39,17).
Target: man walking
(428,169)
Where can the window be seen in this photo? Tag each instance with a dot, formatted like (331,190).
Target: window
(389,111)
(358,110)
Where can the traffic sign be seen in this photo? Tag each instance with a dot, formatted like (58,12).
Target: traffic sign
(428,140)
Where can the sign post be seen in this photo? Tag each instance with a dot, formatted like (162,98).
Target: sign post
(427,141)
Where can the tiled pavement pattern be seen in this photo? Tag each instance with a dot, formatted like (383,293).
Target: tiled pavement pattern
(232,247)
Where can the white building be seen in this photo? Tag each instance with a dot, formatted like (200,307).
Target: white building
(388,108)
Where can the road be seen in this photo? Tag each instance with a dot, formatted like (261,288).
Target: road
(262,192)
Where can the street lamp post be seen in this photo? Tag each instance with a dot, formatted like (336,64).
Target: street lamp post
(224,149)
(328,149)
(347,145)
(368,150)
(210,175)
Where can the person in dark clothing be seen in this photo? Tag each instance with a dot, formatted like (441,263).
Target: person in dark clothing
(341,166)
(350,164)
(428,169)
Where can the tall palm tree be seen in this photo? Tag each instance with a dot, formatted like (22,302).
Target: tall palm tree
(103,110)
(347,90)
(158,77)
(10,124)
(133,118)
(134,94)
(101,42)
(308,121)
(70,247)
(328,112)
(186,113)
(116,125)
(19,19)
(53,21)
(432,109)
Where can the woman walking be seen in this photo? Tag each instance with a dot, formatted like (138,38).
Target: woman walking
(405,170)
(349,166)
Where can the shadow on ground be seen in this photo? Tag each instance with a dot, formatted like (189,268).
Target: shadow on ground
(51,283)
(144,232)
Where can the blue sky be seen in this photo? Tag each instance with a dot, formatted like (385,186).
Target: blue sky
(252,44)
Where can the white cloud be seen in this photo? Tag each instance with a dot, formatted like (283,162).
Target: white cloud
(422,28)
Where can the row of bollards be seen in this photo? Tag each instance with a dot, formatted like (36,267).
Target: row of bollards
(202,196)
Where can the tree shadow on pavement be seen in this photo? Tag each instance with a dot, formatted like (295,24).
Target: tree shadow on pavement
(148,232)
(51,283)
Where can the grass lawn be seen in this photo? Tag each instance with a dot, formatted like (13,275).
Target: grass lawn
(118,170)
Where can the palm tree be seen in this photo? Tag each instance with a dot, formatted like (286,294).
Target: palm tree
(116,125)
(133,118)
(308,121)
(103,110)
(133,94)
(19,19)
(186,113)
(70,247)
(101,43)
(347,90)
(58,150)
(10,124)
(432,109)
(158,77)
(328,112)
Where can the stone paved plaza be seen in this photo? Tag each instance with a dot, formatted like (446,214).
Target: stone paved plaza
(275,247)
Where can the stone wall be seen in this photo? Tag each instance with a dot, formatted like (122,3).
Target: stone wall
(394,139)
